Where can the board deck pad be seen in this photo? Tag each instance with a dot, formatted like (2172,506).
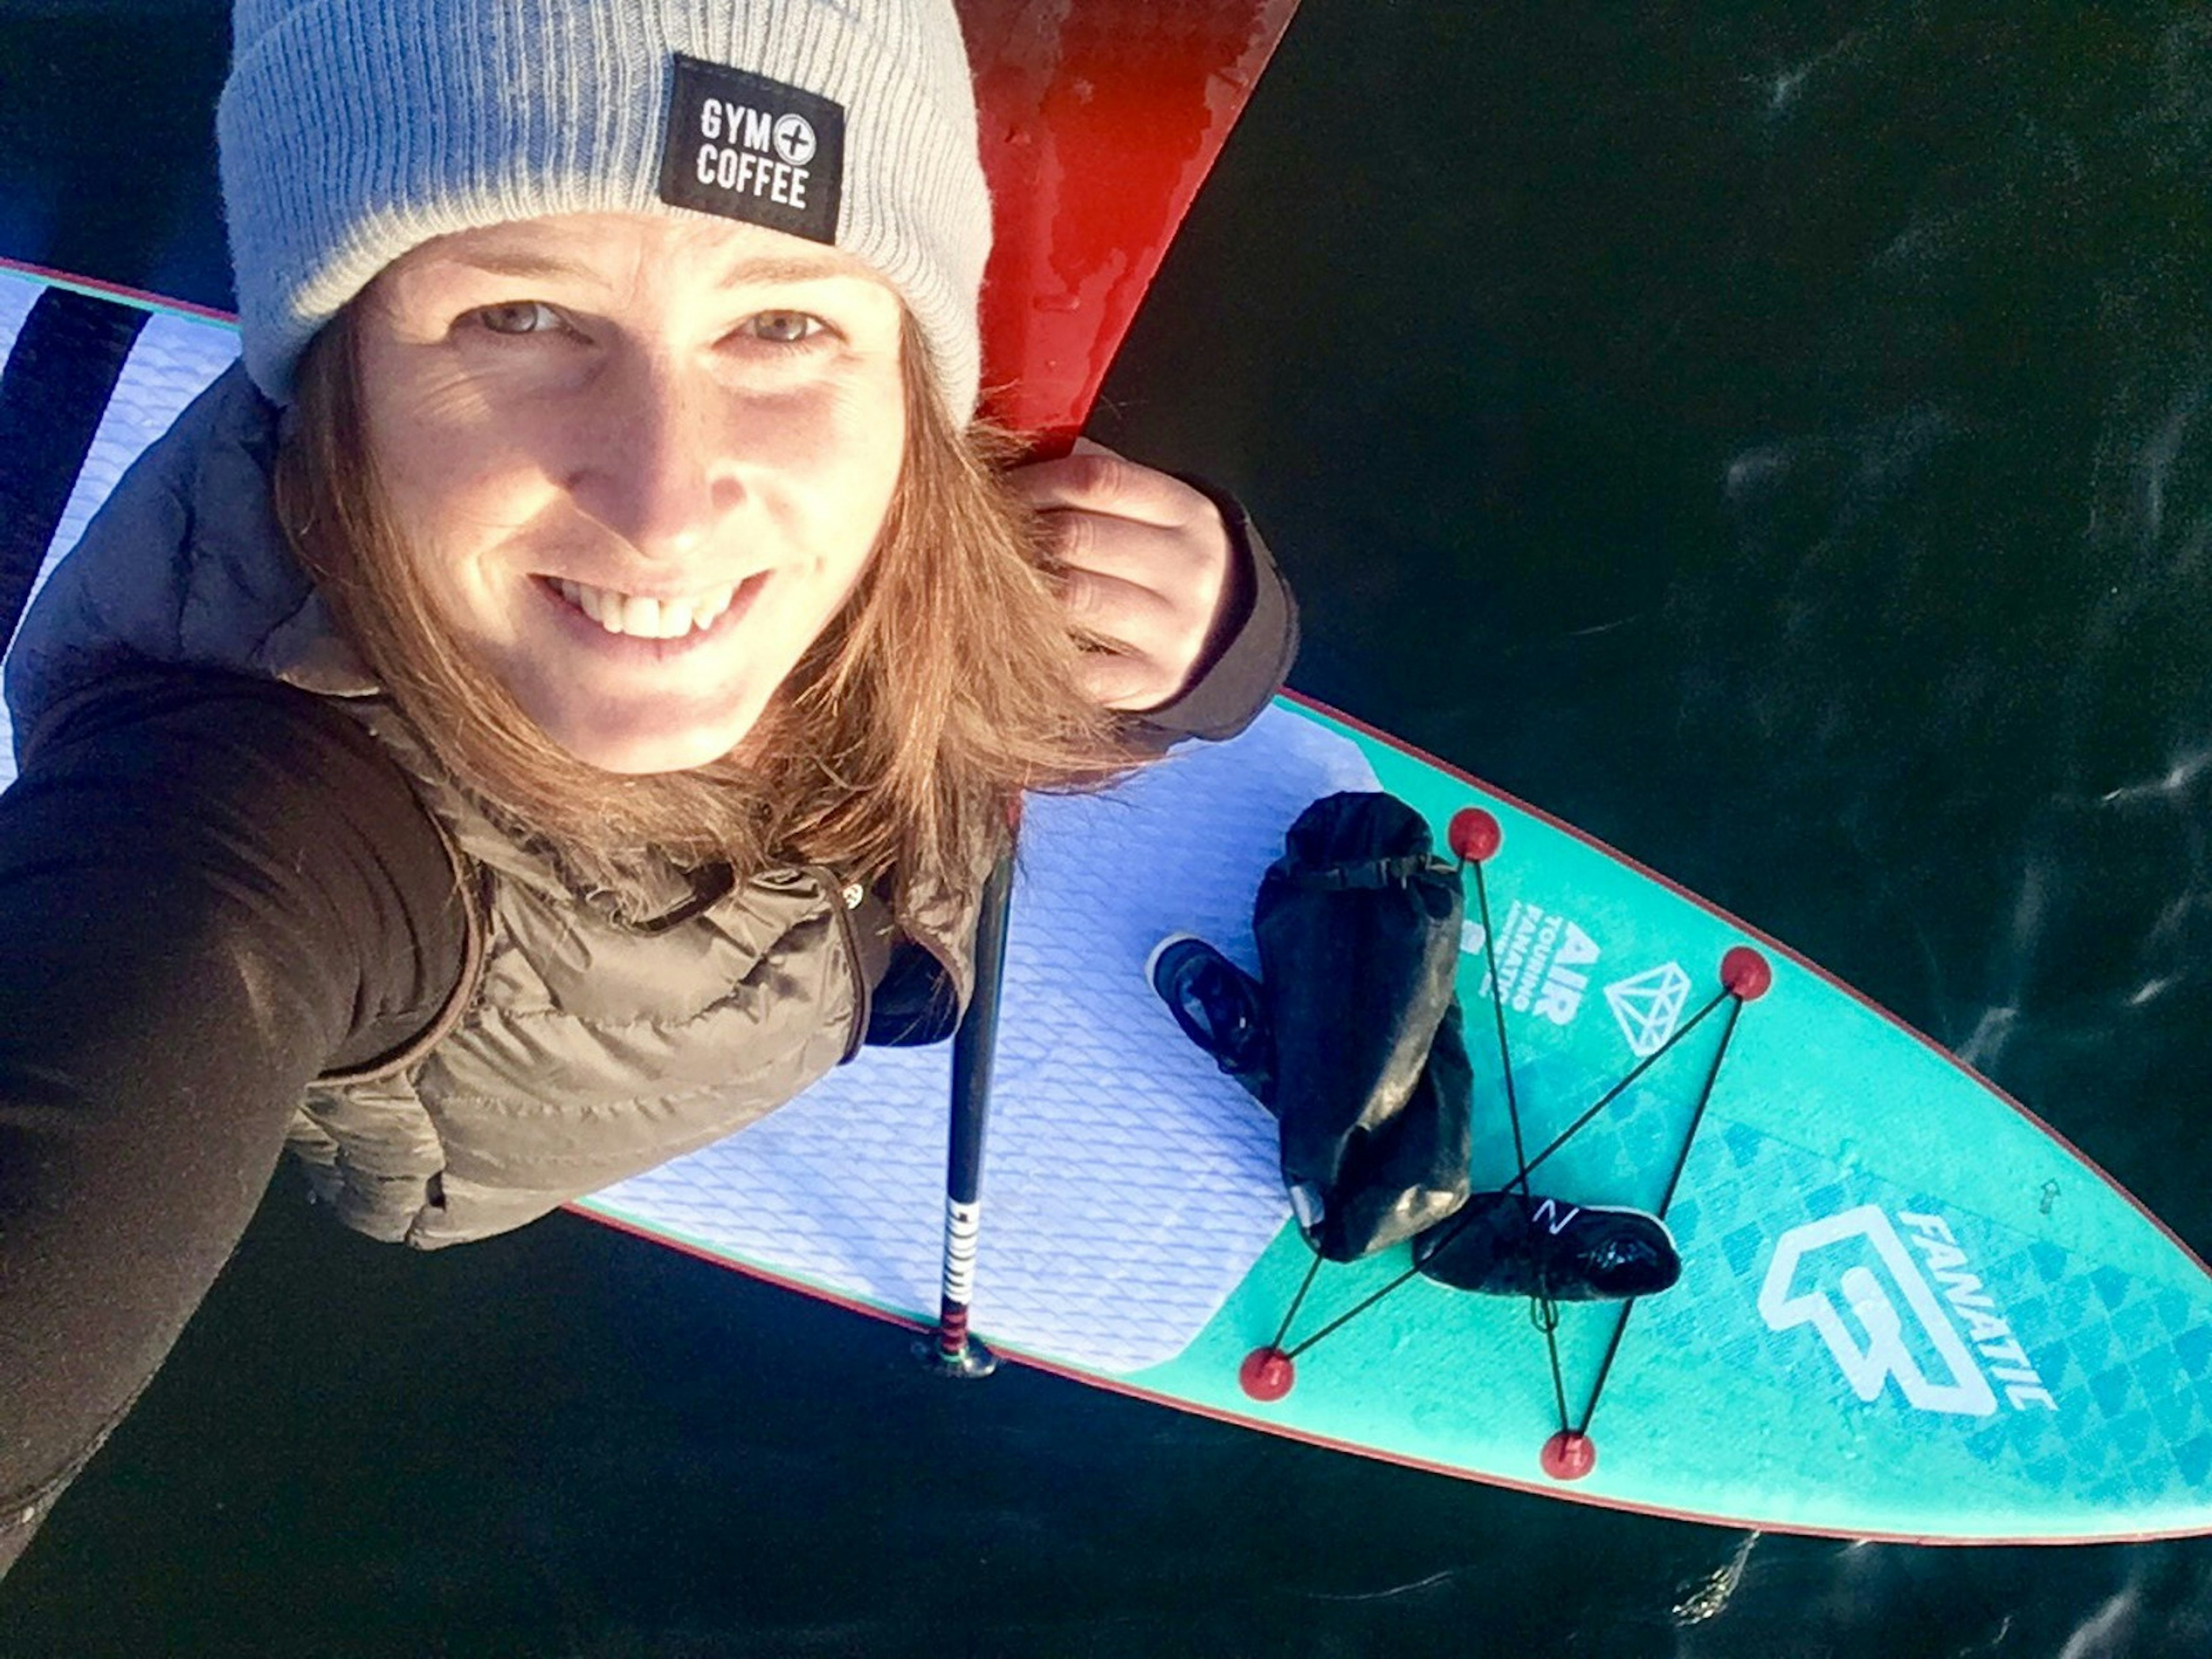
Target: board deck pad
(175,358)
(1121,1160)
(1907,1310)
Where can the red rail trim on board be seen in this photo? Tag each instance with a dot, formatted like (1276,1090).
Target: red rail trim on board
(1351,1448)
(1315,705)
(129,296)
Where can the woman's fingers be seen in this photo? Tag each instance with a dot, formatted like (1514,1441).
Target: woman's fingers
(1124,683)
(1143,595)
(1146,644)
(1145,563)
(1094,479)
(1129,614)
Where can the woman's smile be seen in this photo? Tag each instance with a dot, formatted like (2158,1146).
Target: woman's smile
(676,623)
(644,616)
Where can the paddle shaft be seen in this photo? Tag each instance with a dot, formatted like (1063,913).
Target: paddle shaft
(1099,120)
(974,1046)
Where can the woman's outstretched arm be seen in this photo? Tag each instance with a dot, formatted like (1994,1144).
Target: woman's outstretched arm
(211,890)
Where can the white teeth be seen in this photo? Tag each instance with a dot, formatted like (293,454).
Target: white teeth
(647,618)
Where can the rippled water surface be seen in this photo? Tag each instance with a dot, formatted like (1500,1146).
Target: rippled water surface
(1776,438)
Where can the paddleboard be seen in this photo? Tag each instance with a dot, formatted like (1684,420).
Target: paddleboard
(1908,1311)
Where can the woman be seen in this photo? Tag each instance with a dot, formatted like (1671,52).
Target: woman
(557,699)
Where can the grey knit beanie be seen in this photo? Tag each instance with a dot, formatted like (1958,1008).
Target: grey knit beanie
(352,130)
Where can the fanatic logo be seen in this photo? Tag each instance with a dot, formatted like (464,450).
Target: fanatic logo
(1882,1320)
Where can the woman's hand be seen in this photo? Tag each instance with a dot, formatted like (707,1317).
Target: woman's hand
(1145,569)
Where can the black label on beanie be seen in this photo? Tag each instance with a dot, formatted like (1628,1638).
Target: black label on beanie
(749,147)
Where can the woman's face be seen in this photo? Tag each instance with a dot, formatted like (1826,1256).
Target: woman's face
(642,462)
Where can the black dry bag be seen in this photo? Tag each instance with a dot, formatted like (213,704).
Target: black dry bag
(1359,930)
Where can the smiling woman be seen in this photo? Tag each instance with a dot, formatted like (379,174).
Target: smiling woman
(605,483)
(558,697)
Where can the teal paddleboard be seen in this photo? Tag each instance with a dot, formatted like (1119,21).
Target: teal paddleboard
(1907,1310)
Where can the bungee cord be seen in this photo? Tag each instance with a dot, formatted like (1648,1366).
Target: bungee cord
(1744,975)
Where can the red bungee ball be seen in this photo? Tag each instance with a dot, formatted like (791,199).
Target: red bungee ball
(1568,1455)
(1473,834)
(1266,1374)
(1746,974)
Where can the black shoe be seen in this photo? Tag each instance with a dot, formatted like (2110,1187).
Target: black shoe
(1220,1007)
(1511,1243)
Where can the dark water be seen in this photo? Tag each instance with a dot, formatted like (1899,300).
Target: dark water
(1776,438)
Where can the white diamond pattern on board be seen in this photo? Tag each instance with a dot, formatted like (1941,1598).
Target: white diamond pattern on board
(1128,1185)
(1649,1007)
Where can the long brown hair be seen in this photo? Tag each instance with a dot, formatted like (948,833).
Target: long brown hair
(945,687)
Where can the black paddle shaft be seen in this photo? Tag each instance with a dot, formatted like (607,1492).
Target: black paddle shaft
(977,1040)
(951,1351)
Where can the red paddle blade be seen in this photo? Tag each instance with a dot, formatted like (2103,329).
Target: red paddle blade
(1100,119)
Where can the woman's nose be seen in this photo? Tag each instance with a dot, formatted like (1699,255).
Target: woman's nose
(655,468)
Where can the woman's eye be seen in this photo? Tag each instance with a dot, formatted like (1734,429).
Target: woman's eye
(519,317)
(783,327)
